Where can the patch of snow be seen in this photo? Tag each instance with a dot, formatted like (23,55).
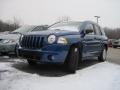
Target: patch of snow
(101,76)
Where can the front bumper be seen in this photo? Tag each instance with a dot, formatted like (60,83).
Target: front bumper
(48,54)
(7,48)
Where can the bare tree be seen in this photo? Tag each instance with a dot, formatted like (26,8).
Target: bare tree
(64,19)
(7,26)
(112,33)
(16,22)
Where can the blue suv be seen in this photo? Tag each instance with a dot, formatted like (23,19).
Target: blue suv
(64,43)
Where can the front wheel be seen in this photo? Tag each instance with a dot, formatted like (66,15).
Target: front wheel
(72,59)
(103,55)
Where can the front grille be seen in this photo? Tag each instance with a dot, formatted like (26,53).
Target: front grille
(32,41)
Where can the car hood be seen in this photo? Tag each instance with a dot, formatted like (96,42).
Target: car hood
(55,32)
(10,36)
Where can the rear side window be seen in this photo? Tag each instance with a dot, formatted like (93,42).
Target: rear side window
(97,30)
(91,28)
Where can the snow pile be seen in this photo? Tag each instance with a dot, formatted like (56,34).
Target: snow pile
(101,76)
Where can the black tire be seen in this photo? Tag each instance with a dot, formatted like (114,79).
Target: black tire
(31,62)
(102,58)
(72,59)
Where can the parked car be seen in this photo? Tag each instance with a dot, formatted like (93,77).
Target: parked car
(8,42)
(110,42)
(116,43)
(65,43)
(5,32)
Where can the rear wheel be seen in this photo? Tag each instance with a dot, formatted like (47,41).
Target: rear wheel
(103,55)
(31,62)
(72,59)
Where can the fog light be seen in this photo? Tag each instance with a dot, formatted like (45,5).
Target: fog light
(50,57)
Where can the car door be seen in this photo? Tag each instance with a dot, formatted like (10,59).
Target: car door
(89,41)
(98,38)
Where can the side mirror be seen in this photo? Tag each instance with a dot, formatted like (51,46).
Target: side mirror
(88,31)
(82,33)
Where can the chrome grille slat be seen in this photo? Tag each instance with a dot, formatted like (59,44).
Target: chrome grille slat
(39,42)
(26,41)
(29,42)
(32,41)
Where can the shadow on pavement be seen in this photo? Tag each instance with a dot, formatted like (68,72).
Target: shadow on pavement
(50,70)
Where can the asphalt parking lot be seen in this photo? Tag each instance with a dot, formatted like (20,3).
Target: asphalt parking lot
(114,55)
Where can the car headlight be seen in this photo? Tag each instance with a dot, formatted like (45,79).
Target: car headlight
(62,40)
(51,39)
(8,41)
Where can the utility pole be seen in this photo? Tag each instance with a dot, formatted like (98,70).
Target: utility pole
(97,17)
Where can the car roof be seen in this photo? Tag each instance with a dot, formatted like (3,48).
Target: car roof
(83,22)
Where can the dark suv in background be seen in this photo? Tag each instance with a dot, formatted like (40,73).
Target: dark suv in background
(64,43)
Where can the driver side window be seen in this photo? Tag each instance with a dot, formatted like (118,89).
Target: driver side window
(89,30)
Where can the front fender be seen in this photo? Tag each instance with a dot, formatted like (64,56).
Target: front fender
(72,39)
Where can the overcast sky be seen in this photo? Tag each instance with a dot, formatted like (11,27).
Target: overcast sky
(47,11)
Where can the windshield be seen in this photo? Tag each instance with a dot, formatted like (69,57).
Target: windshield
(68,26)
(23,30)
(40,28)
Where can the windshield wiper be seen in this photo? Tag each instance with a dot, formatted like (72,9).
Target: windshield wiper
(15,33)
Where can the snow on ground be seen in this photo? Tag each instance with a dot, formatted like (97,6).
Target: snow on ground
(100,76)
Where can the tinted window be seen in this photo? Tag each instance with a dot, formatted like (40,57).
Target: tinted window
(90,27)
(97,30)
